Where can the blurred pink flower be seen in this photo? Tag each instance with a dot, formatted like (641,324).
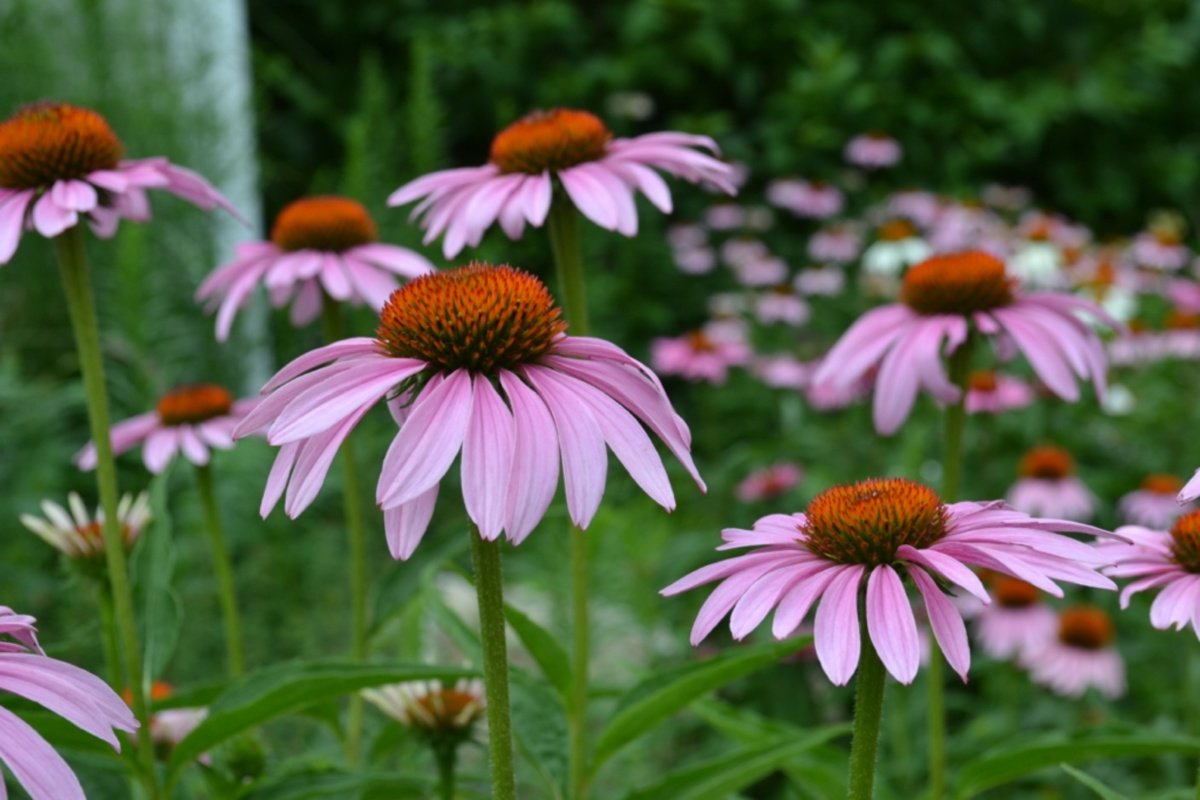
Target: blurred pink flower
(703,355)
(824,281)
(695,260)
(1154,503)
(943,299)
(782,371)
(1191,489)
(919,206)
(599,174)
(1016,620)
(59,162)
(837,243)
(992,392)
(1048,486)
(66,690)
(447,345)
(1169,560)
(318,245)
(857,535)
(766,271)
(769,482)
(811,199)
(872,151)
(1080,657)
(191,420)
(1159,251)
(781,305)
(724,217)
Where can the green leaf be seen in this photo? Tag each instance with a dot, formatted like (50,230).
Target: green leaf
(284,688)
(336,784)
(1000,767)
(540,729)
(1096,786)
(720,778)
(651,702)
(402,582)
(550,656)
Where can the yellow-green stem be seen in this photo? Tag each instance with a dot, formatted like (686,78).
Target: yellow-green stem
(226,592)
(489,589)
(331,322)
(568,260)
(868,711)
(69,245)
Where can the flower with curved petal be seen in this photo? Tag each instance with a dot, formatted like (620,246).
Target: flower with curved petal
(319,246)
(192,420)
(80,534)
(473,360)
(563,148)
(64,689)
(1081,656)
(1166,560)
(863,538)
(944,300)
(59,162)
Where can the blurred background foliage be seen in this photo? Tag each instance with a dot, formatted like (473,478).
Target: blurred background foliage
(1090,103)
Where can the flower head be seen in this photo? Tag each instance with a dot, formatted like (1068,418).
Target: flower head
(1153,504)
(1169,559)
(869,534)
(1016,621)
(79,535)
(945,299)
(991,392)
(769,482)
(701,355)
(77,696)
(59,161)
(473,359)
(1080,657)
(873,150)
(190,419)
(598,172)
(1048,485)
(430,707)
(319,245)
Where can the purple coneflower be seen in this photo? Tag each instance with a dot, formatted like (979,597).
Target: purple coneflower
(474,359)
(318,245)
(872,151)
(59,162)
(599,174)
(79,535)
(702,355)
(837,243)
(943,300)
(1080,657)
(1048,486)
(191,420)
(769,482)
(867,535)
(1169,559)
(809,199)
(992,392)
(74,694)
(1016,620)
(1153,504)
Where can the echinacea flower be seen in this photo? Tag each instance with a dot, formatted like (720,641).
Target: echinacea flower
(79,535)
(190,419)
(1049,486)
(769,482)
(474,359)
(430,707)
(74,694)
(700,355)
(993,392)
(59,162)
(897,247)
(873,151)
(567,148)
(808,199)
(866,536)
(1166,559)
(1153,504)
(1159,249)
(1016,621)
(319,245)
(943,300)
(837,243)
(1080,657)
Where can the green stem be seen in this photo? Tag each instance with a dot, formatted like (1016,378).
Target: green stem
(226,592)
(568,261)
(868,711)
(445,755)
(112,648)
(331,323)
(955,420)
(81,307)
(489,589)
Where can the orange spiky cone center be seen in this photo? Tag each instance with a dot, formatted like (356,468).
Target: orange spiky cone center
(1085,627)
(982,380)
(193,404)
(1014,593)
(478,317)
(448,709)
(1162,483)
(1177,320)
(958,283)
(47,142)
(896,230)
(1047,463)
(1185,541)
(550,140)
(700,342)
(864,523)
(326,223)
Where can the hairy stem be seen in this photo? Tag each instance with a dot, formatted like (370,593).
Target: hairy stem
(489,588)
(868,712)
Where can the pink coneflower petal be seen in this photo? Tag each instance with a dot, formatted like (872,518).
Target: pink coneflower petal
(949,568)
(534,461)
(487,451)
(836,630)
(891,624)
(34,763)
(946,621)
(331,400)
(406,524)
(429,441)
(313,460)
(813,579)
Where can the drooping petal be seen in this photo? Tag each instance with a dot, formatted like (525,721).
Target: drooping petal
(12,222)
(33,762)
(891,624)
(794,606)
(50,219)
(313,461)
(836,631)
(946,622)
(160,447)
(405,525)
(487,460)
(757,601)
(534,461)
